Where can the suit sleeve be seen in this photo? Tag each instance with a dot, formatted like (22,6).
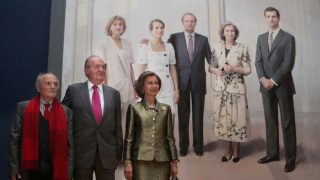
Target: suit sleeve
(171,40)
(15,142)
(67,98)
(70,142)
(170,136)
(259,60)
(208,51)
(129,135)
(288,63)
(118,130)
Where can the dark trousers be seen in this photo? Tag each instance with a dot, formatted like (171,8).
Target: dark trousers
(270,103)
(100,172)
(35,175)
(197,119)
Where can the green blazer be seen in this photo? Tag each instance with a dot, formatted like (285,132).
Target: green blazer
(149,133)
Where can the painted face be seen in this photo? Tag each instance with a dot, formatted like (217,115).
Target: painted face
(272,19)
(96,72)
(48,87)
(151,86)
(116,28)
(229,33)
(157,30)
(189,23)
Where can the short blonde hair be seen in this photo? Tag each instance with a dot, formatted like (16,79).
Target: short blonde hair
(110,22)
(190,14)
(221,30)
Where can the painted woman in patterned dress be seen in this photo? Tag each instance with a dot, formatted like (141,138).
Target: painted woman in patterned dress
(231,62)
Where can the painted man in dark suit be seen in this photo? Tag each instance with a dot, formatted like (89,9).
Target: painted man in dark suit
(97,123)
(191,49)
(275,58)
(41,143)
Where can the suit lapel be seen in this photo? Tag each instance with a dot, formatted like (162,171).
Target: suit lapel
(232,49)
(276,41)
(265,46)
(84,95)
(196,46)
(106,101)
(184,45)
(223,54)
(117,50)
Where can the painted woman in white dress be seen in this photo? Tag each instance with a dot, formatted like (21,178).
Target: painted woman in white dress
(118,54)
(159,57)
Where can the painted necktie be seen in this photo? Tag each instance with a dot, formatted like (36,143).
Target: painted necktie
(190,47)
(270,40)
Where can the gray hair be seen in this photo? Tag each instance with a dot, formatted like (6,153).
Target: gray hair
(40,76)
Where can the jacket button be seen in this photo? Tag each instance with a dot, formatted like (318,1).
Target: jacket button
(154,119)
(167,76)
(167,65)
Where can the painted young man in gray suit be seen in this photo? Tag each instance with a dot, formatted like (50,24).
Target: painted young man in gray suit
(275,58)
(97,123)
(191,49)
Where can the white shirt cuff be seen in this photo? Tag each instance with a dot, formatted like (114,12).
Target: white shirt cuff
(274,82)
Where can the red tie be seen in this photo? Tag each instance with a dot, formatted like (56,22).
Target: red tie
(46,111)
(96,105)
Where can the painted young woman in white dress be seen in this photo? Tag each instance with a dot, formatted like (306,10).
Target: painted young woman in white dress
(118,54)
(159,57)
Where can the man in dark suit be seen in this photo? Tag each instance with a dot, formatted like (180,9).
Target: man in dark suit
(41,143)
(97,123)
(191,49)
(275,58)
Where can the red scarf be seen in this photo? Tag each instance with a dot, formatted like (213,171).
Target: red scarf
(57,136)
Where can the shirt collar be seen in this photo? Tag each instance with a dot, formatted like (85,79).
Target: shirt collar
(145,105)
(43,102)
(186,34)
(90,85)
(275,32)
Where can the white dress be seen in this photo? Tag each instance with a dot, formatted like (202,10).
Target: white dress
(159,63)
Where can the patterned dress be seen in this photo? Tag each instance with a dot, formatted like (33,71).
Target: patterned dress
(230,108)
